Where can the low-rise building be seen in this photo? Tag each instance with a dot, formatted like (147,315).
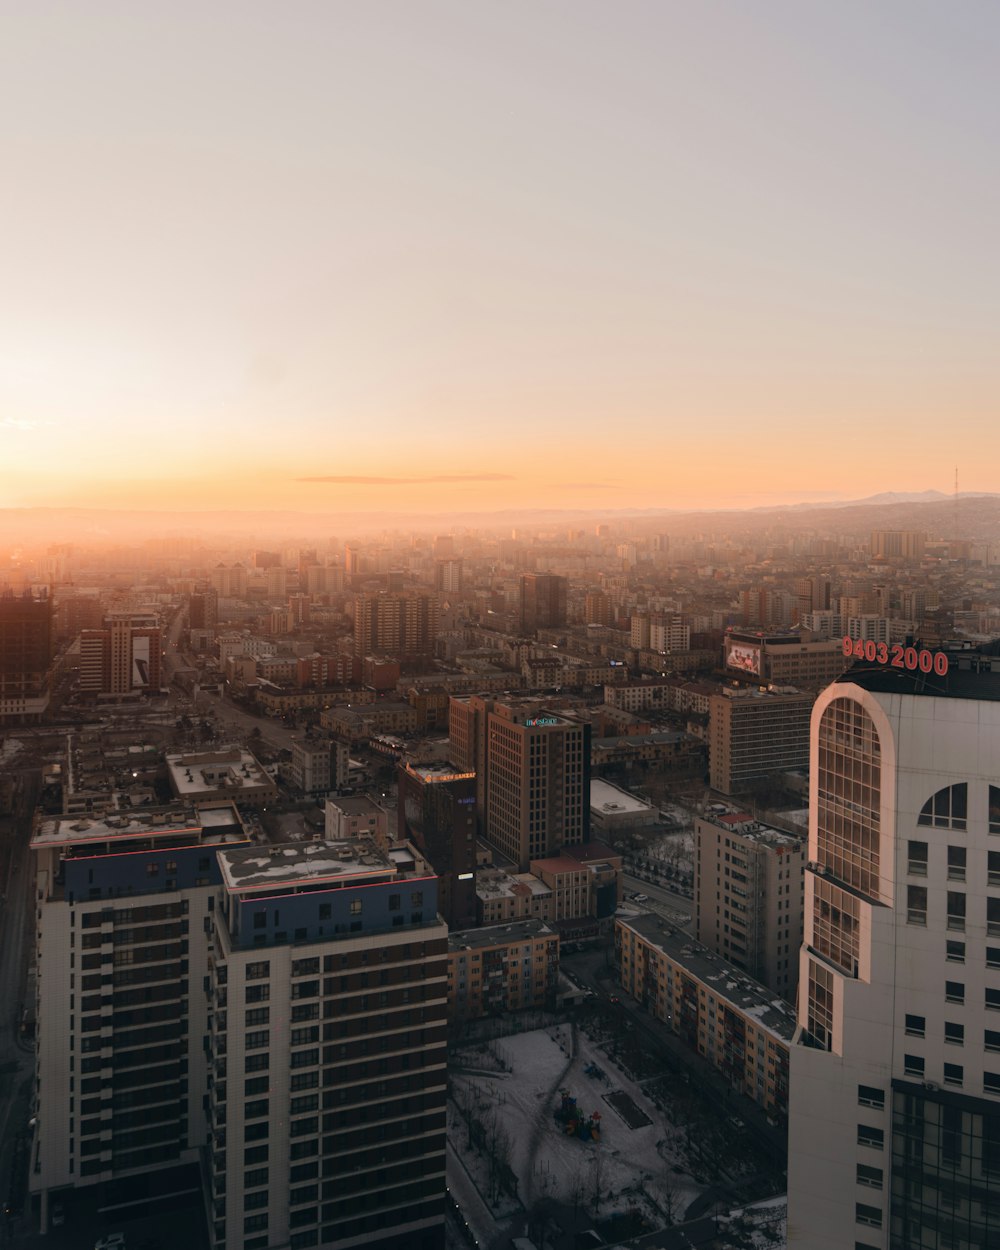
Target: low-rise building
(318,767)
(357,816)
(230,776)
(502,968)
(732,1021)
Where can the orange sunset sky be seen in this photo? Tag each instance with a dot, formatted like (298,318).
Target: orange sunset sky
(418,256)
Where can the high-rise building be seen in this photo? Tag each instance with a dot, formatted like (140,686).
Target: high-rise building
(437,812)
(785,659)
(25,656)
(748,897)
(328,1093)
(756,734)
(895,1078)
(898,544)
(403,624)
(274,1014)
(543,601)
(120,1064)
(123,657)
(533,779)
(448,575)
(204,609)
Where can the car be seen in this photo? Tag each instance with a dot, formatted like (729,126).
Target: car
(113,1241)
(615,1000)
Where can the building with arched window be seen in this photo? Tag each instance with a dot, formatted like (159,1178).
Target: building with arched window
(894,1129)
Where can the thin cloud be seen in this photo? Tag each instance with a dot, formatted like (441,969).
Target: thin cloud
(581,486)
(21,423)
(356,480)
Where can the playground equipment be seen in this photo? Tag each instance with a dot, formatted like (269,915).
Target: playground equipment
(574,1122)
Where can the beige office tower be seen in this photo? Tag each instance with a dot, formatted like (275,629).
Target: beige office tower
(532,774)
(894,1132)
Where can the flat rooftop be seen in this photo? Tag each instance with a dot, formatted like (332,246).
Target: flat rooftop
(743,825)
(441,771)
(722,978)
(605,797)
(497,935)
(305,864)
(355,805)
(117,827)
(197,772)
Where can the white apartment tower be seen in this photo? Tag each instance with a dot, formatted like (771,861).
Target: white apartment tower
(120,1064)
(894,1131)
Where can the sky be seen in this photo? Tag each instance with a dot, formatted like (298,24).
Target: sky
(428,254)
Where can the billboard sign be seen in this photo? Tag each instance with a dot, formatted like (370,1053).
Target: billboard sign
(140,662)
(746,659)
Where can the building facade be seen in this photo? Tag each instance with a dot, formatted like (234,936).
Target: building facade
(748,884)
(733,1022)
(25,656)
(437,812)
(755,734)
(327,992)
(504,968)
(122,955)
(898,1045)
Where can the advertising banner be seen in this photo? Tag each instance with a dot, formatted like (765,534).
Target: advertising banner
(746,659)
(140,662)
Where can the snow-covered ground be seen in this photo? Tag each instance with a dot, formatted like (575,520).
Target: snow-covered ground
(762,1225)
(8,750)
(640,1168)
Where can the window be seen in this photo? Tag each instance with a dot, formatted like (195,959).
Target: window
(994,801)
(252,1110)
(913,1065)
(256,1085)
(255,1041)
(260,969)
(993,867)
(868,1215)
(253,1202)
(874,1137)
(255,1154)
(916,904)
(956,863)
(252,1223)
(256,1063)
(955,952)
(993,917)
(355,908)
(255,1132)
(991,1040)
(917,859)
(991,1082)
(947,808)
(258,993)
(869,1176)
(954,992)
(916,1026)
(394,902)
(993,1000)
(260,920)
(869,1096)
(417,898)
(956,910)
(258,1015)
(953,1074)
(954,1033)
(305,967)
(259,1176)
